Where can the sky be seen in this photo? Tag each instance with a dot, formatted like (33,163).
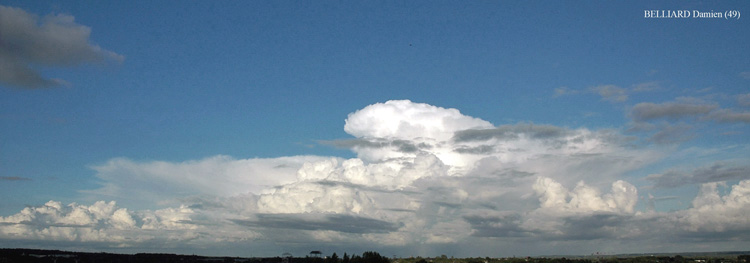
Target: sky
(411,128)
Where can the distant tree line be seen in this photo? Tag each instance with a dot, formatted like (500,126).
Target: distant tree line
(56,256)
(366,257)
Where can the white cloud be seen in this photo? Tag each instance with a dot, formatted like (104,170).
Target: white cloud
(714,213)
(54,40)
(105,222)
(215,176)
(404,119)
(584,198)
(312,197)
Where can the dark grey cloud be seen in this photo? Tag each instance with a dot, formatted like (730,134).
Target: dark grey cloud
(511,132)
(647,111)
(497,226)
(404,146)
(316,221)
(364,187)
(713,236)
(493,167)
(716,172)
(596,226)
(54,40)
(481,149)
(14,178)
(673,122)
(690,108)
(448,204)
(578,227)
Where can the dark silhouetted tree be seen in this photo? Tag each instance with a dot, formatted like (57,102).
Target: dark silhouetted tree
(333,258)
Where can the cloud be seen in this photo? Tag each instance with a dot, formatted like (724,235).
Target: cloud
(424,177)
(105,222)
(646,86)
(583,213)
(611,93)
(647,111)
(317,222)
(716,172)
(73,222)
(14,178)
(403,119)
(561,91)
(744,100)
(687,108)
(404,146)
(53,40)
(745,75)
(670,134)
(137,182)
(403,129)
(311,197)
(675,121)
(712,213)
(512,132)
(497,226)
(583,199)
(729,116)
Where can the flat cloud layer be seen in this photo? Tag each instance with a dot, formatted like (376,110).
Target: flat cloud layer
(53,40)
(425,177)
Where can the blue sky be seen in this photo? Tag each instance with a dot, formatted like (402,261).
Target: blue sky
(262,119)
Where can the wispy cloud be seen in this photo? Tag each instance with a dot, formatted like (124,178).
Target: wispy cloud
(611,93)
(562,91)
(744,100)
(14,178)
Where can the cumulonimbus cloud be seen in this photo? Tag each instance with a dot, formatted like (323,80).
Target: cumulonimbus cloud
(53,40)
(424,175)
